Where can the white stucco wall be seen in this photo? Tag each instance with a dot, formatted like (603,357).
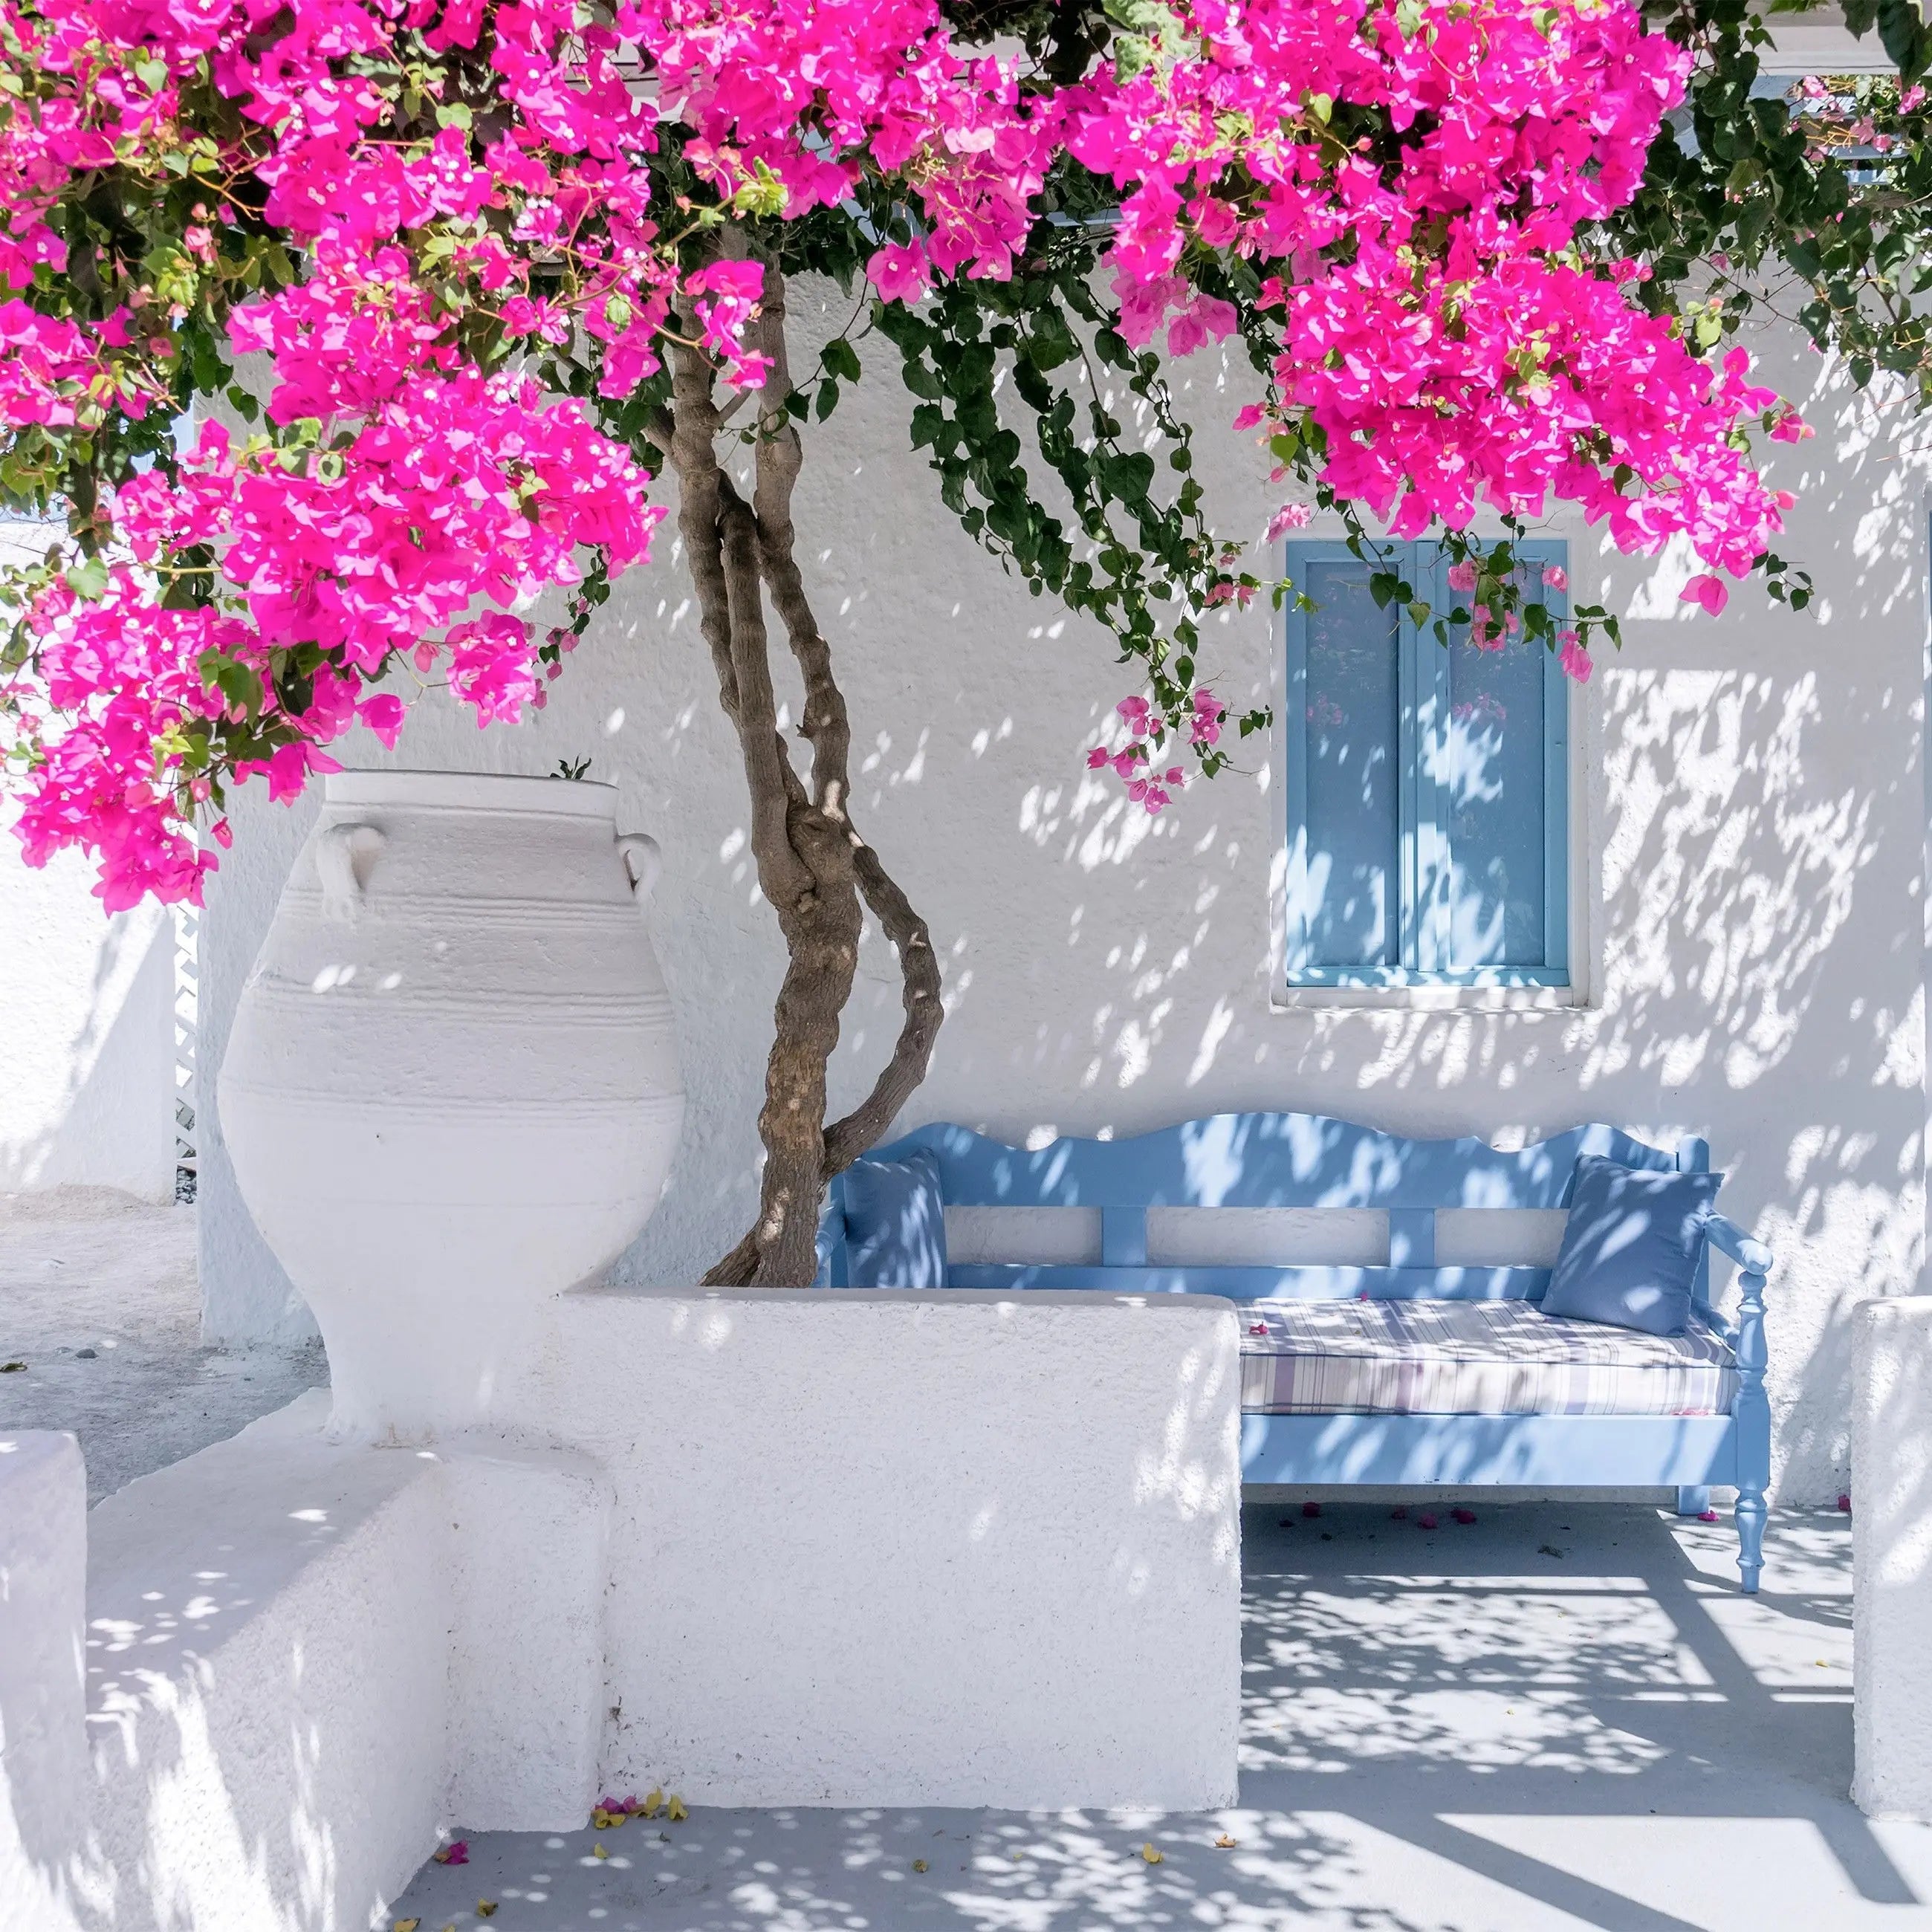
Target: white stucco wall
(881,1548)
(1009,1576)
(1891,1526)
(1748,837)
(87,1081)
(87,1093)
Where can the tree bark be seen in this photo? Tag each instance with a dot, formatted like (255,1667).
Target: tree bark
(812,865)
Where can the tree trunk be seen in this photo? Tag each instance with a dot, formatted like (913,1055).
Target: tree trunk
(812,865)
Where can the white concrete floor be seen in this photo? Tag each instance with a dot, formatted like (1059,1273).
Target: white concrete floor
(99,1302)
(1562,1716)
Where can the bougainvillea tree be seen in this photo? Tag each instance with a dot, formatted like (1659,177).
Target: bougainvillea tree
(513,276)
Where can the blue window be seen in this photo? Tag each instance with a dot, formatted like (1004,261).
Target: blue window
(1428,785)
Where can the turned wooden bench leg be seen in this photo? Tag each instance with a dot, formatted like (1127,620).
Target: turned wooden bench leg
(1754,1425)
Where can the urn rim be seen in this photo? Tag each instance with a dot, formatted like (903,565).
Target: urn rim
(472,791)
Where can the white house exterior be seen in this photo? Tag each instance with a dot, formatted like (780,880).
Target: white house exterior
(1747,942)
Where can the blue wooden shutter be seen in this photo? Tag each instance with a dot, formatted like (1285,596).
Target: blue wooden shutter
(1492,794)
(1350,856)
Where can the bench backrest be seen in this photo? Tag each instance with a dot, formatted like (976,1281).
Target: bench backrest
(1270,1160)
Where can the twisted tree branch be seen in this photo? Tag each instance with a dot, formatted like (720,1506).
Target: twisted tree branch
(812,864)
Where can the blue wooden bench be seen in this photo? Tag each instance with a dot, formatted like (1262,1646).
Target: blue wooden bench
(1303,1161)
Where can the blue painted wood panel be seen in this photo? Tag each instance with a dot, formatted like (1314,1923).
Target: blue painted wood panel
(1265,1160)
(1583,1451)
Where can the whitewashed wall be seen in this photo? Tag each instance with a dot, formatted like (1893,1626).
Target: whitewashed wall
(1749,837)
(87,1081)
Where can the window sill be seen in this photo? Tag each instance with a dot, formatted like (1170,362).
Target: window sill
(1432,999)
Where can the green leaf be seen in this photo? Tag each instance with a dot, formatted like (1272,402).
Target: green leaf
(1902,30)
(841,358)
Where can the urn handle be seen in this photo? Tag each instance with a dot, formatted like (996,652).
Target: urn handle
(344,856)
(643,862)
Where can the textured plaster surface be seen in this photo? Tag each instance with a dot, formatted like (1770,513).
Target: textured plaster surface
(98,1298)
(1892,1464)
(889,1549)
(1749,810)
(299,1657)
(859,1549)
(529,1553)
(42,1588)
(269,1682)
(89,1097)
(1460,1731)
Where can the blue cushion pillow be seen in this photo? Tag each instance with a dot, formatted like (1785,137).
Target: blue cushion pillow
(1632,1245)
(895,1223)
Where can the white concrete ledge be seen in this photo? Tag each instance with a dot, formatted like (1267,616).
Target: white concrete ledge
(1892,1557)
(303,1661)
(833,1548)
(884,1549)
(43,1786)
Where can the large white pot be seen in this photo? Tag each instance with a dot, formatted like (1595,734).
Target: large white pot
(452,1089)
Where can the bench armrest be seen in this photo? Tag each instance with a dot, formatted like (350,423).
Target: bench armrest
(1727,1236)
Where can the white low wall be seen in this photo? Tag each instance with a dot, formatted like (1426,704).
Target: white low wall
(764,1549)
(302,1661)
(43,1751)
(881,1548)
(1892,1535)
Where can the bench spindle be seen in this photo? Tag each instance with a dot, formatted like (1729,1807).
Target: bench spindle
(1412,1237)
(1123,1238)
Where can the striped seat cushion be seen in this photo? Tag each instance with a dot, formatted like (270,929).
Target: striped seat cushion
(1472,1358)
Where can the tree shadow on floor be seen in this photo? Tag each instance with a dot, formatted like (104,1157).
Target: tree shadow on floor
(1563,1714)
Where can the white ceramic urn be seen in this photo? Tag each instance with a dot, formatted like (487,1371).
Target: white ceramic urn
(452,1091)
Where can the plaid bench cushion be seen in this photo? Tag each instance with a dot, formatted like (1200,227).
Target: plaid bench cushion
(1472,1358)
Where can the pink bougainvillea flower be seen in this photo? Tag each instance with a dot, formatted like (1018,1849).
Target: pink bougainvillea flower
(1439,340)
(1574,658)
(456,1853)
(1425,1522)
(900,272)
(1462,1515)
(1555,577)
(1462,577)
(1311,1508)
(1707,591)
(384,714)
(1289,516)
